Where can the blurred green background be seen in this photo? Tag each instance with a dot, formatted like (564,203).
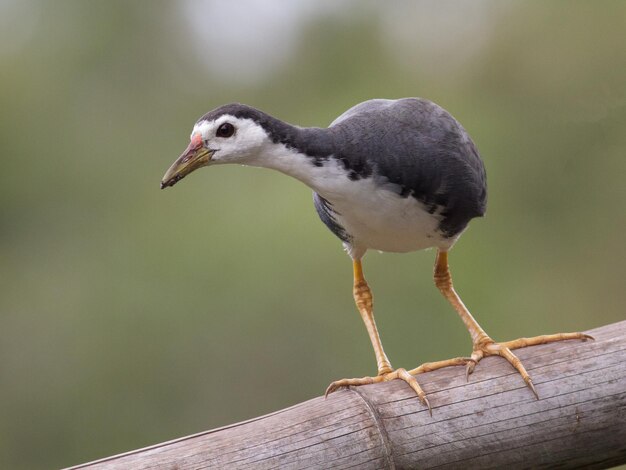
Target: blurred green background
(130,315)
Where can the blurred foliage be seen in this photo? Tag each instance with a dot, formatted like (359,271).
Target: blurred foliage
(130,316)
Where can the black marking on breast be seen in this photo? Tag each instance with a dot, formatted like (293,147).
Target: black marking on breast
(326,213)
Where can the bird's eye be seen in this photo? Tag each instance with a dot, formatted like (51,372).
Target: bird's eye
(225,130)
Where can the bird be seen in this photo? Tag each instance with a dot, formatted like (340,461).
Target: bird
(392,175)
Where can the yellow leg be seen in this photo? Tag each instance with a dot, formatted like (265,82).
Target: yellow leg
(483,345)
(364,303)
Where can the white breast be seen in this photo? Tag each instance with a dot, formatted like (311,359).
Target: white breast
(380,219)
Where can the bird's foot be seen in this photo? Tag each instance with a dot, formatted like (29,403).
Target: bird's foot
(402,374)
(485,346)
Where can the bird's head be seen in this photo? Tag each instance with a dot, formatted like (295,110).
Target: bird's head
(226,135)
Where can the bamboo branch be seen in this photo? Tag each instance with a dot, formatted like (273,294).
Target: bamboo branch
(492,421)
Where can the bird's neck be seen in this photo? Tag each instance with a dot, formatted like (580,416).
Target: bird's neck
(300,152)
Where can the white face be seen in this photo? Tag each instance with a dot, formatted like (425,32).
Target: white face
(234,140)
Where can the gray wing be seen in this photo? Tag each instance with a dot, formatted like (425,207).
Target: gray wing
(371,106)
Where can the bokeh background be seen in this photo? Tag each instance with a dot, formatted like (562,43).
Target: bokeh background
(130,315)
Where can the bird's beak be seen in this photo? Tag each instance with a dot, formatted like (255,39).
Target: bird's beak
(195,156)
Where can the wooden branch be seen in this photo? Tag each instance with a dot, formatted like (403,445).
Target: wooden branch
(492,421)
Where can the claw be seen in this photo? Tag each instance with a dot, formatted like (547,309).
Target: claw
(469,368)
(529,382)
(425,402)
(474,359)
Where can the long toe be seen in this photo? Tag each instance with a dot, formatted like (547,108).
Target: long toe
(412,381)
(489,347)
(515,362)
(544,339)
(337,384)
